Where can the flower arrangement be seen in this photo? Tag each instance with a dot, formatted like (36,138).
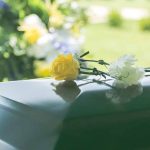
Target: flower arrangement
(32,33)
(123,71)
(62,34)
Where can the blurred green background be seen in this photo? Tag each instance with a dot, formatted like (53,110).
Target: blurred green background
(108,42)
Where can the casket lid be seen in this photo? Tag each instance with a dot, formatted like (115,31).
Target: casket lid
(42,114)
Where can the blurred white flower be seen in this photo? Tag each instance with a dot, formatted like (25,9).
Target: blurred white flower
(74,5)
(64,42)
(43,48)
(125,72)
(32,21)
(33,28)
(69,22)
(60,2)
(57,42)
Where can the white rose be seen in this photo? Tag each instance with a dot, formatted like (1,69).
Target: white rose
(125,72)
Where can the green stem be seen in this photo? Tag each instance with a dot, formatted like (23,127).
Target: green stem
(86,68)
(147,70)
(86,53)
(89,73)
(101,62)
(94,69)
(83,60)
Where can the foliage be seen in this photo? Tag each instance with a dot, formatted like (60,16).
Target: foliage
(14,63)
(145,24)
(115,19)
(26,7)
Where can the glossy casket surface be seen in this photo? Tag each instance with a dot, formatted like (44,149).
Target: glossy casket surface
(39,115)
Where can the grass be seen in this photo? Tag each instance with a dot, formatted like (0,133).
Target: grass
(118,3)
(109,43)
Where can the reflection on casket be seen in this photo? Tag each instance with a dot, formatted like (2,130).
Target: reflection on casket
(35,116)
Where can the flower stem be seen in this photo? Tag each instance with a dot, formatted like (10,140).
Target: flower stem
(89,73)
(95,71)
(101,82)
(147,69)
(86,53)
(101,62)
(86,68)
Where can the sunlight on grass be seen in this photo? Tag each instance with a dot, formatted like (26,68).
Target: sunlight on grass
(118,3)
(109,43)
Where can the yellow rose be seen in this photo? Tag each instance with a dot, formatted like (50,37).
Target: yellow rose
(64,67)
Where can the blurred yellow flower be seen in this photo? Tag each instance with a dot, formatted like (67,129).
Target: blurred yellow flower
(76,29)
(56,17)
(32,35)
(42,69)
(64,67)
